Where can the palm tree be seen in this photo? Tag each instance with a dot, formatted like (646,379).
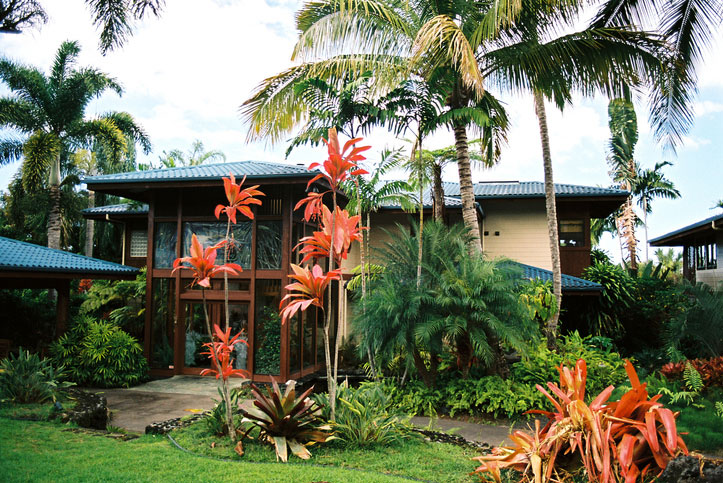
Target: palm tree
(396,42)
(648,185)
(17,15)
(49,112)
(195,156)
(114,17)
(718,204)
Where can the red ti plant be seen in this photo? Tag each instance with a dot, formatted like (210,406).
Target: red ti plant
(616,441)
(239,200)
(203,264)
(340,165)
(307,290)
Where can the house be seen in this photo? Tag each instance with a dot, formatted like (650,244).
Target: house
(702,244)
(174,203)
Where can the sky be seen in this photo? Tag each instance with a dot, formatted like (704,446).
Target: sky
(186,73)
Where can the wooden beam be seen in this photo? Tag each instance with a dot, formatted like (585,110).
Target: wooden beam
(62,304)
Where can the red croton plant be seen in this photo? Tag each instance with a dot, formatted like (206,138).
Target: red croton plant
(202,263)
(337,231)
(624,440)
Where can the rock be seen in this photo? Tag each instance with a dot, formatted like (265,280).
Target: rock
(90,411)
(169,425)
(689,469)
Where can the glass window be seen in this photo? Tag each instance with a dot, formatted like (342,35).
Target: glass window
(267,328)
(572,233)
(308,332)
(164,245)
(268,245)
(162,323)
(139,243)
(295,343)
(196,336)
(239,322)
(700,257)
(712,256)
(210,233)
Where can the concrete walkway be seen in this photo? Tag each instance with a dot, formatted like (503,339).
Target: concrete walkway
(135,408)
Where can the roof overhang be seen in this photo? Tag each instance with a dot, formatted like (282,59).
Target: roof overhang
(688,234)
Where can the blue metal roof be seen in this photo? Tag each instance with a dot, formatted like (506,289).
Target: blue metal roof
(449,202)
(250,169)
(682,231)
(122,209)
(569,283)
(531,189)
(16,255)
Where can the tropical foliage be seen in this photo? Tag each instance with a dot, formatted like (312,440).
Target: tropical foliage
(49,112)
(98,353)
(26,378)
(611,441)
(463,304)
(287,421)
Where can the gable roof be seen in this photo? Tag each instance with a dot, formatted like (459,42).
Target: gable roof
(569,283)
(250,169)
(18,256)
(531,189)
(449,202)
(698,226)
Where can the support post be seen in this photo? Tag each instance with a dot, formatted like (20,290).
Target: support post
(62,305)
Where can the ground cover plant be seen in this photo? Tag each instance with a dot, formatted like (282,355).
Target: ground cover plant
(40,451)
(411,458)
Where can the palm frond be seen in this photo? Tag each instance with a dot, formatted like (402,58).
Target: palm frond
(64,60)
(28,83)
(11,150)
(128,126)
(40,150)
(19,114)
(441,42)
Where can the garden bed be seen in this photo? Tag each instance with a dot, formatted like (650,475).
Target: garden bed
(416,458)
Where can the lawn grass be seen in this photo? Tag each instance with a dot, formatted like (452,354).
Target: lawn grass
(413,458)
(47,451)
(704,427)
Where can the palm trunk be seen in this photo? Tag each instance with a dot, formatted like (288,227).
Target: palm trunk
(438,193)
(645,226)
(89,227)
(550,207)
(54,222)
(466,190)
(421,213)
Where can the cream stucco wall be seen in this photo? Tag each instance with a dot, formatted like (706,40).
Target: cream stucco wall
(522,227)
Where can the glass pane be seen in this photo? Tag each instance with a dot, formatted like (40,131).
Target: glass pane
(268,245)
(139,243)
(162,323)
(239,322)
(572,233)
(319,316)
(164,245)
(196,336)
(210,233)
(267,328)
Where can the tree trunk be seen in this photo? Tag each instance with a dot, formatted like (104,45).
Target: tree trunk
(550,207)
(645,226)
(466,190)
(421,214)
(427,375)
(90,227)
(438,193)
(54,222)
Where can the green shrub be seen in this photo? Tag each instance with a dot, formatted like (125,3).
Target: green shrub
(122,302)
(604,366)
(365,416)
(99,353)
(698,330)
(215,420)
(267,357)
(26,378)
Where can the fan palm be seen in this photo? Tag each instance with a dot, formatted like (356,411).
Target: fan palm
(49,112)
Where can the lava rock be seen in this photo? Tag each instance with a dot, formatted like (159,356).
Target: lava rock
(90,411)
(688,469)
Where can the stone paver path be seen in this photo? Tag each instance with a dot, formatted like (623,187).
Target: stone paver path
(155,401)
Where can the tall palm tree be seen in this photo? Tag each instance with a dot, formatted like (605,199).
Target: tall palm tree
(648,185)
(195,156)
(396,41)
(48,111)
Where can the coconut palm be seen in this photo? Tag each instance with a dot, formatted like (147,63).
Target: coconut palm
(48,112)
(195,156)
